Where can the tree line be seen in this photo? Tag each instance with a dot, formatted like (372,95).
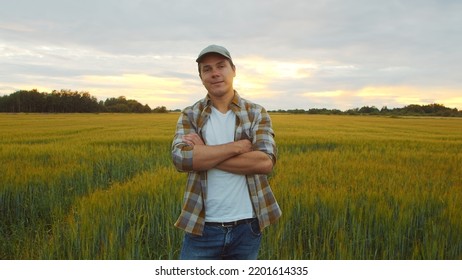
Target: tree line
(68,101)
(409,110)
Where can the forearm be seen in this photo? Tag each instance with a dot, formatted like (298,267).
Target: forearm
(254,162)
(208,157)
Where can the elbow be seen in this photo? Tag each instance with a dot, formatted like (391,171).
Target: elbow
(182,160)
(178,165)
(269,167)
(182,167)
(266,166)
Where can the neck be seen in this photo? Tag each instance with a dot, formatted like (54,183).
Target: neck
(222,103)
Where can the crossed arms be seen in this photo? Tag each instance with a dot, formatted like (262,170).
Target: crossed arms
(236,157)
(243,156)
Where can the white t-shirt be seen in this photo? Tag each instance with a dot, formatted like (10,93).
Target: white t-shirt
(228,197)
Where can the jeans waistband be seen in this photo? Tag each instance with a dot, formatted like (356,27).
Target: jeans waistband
(231,224)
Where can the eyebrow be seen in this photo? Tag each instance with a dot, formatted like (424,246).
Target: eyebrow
(218,63)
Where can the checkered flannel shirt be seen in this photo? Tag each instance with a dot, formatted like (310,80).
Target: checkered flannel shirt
(253,123)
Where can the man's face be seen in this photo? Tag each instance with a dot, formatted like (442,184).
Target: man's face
(217,75)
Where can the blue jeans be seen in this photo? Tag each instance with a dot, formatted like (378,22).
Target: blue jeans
(241,242)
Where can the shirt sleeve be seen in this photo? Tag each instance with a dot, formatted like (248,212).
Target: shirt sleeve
(263,132)
(182,153)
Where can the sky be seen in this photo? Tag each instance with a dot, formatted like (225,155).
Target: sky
(289,54)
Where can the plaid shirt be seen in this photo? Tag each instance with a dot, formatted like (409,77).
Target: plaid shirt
(253,123)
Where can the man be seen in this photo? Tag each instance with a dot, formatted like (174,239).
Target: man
(226,144)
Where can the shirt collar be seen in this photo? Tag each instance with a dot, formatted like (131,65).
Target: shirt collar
(235,102)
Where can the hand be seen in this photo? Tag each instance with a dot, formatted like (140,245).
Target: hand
(244,146)
(193,139)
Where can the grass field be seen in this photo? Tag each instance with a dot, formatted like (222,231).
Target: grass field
(102,186)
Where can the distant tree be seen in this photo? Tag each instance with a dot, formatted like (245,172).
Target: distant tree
(122,105)
(160,109)
(146,108)
(368,110)
(385,110)
(64,101)
(297,111)
(413,109)
(354,111)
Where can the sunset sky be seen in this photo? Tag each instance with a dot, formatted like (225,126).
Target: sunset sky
(289,54)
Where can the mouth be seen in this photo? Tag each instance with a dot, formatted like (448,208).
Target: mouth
(216,83)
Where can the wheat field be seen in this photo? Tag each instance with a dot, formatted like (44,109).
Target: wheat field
(102,186)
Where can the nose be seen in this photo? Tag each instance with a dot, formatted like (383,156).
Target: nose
(215,72)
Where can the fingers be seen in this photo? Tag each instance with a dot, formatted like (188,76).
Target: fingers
(245,146)
(192,139)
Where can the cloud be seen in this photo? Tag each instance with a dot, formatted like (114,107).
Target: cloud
(289,53)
